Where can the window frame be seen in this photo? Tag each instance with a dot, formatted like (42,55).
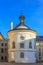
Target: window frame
(2,44)
(22,45)
(2,50)
(13,44)
(5,44)
(2,58)
(22,55)
(22,37)
(30,44)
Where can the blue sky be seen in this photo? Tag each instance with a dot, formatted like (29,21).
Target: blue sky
(10,10)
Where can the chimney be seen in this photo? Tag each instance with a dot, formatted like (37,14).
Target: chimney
(11,25)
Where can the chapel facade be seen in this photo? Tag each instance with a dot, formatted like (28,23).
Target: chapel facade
(21,43)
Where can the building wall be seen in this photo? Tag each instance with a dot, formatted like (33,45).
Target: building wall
(28,52)
(3,50)
(39,54)
(28,57)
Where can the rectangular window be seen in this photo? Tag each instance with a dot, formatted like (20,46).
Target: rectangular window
(39,53)
(5,44)
(1,57)
(2,50)
(13,45)
(34,43)
(6,50)
(22,45)
(21,55)
(2,44)
(5,57)
(39,58)
(30,44)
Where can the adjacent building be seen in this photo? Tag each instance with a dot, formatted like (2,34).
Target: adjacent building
(39,48)
(3,48)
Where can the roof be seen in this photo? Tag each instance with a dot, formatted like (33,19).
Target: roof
(21,29)
(39,38)
(1,36)
(21,26)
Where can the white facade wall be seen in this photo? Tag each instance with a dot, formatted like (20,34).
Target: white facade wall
(29,53)
(29,57)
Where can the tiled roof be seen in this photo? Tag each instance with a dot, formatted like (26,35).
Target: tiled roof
(39,38)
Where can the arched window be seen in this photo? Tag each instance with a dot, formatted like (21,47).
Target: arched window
(1,57)
(2,44)
(13,45)
(2,50)
(21,55)
(30,44)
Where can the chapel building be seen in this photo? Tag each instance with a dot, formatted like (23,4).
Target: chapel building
(21,43)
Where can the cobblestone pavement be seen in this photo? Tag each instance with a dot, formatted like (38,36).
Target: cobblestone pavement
(6,63)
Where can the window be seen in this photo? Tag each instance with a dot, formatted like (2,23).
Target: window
(39,51)
(13,45)
(21,45)
(1,57)
(34,43)
(21,55)
(5,44)
(6,50)
(5,58)
(30,44)
(1,44)
(22,37)
(39,58)
(2,50)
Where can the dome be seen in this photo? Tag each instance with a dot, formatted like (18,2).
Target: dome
(22,25)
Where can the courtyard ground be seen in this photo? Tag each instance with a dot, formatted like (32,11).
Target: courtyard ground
(6,63)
